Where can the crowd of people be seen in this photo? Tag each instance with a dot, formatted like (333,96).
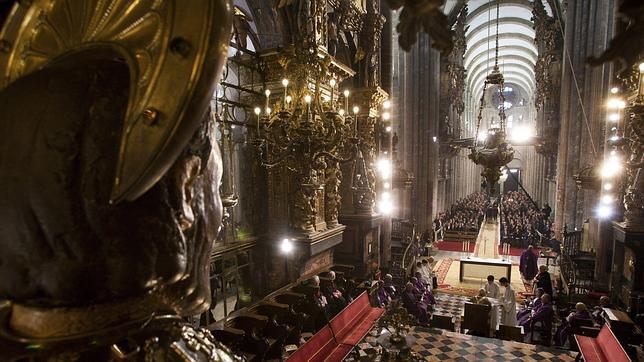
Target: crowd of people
(465,215)
(417,296)
(522,223)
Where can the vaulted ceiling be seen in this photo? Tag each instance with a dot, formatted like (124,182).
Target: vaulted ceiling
(517,51)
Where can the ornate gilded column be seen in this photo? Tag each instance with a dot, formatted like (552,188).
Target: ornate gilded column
(228,193)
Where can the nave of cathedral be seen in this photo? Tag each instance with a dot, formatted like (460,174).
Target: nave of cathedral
(321,180)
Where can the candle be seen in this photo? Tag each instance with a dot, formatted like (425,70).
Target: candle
(257,112)
(288,101)
(346,101)
(285,84)
(356,109)
(307,99)
(268,94)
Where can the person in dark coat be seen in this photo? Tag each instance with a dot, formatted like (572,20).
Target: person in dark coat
(542,280)
(528,264)
(546,210)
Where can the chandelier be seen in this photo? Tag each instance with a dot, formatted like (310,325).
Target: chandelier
(493,152)
(310,130)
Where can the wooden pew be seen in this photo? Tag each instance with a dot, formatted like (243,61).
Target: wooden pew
(255,341)
(233,338)
(284,317)
(334,341)
(605,347)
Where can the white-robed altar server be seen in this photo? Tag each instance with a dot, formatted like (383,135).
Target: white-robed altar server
(508,304)
(492,288)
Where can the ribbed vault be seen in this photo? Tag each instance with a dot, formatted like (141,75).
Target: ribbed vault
(517,51)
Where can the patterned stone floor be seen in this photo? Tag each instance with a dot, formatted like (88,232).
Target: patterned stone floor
(439,345)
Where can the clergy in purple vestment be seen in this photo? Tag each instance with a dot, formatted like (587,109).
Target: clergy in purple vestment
(413,305)
(580,317)
(383,296)
(530,308)
(528,264)
(543,314)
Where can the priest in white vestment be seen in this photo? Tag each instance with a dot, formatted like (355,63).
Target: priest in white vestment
(508,304)
(492,289)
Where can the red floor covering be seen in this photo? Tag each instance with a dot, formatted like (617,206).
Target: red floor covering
(454,245)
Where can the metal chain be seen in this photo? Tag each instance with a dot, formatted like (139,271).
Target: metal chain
(496,45)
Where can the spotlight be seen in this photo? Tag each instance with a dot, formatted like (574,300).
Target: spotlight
(606,199)
(386,116)
(388,129)
(286,246)
(384,167)
(616,103)
(608,186)
(386,105)
(521,134)
(610,168)
(385,206)
(604,212)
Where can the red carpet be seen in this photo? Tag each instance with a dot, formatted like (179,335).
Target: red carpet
(457,246)
(453,246)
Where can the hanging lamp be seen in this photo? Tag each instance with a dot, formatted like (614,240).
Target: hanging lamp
(494,152)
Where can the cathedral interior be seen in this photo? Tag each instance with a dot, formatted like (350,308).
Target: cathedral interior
(321,180)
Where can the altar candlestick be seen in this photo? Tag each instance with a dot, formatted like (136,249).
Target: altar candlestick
(268,94)
(346,101)
(257,113)
(285,84)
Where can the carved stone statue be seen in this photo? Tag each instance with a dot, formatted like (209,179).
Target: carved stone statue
(332,33)
(367,54)
(102,249)
(242,29)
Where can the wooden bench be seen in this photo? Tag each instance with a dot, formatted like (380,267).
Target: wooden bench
(334,341)
(605,347)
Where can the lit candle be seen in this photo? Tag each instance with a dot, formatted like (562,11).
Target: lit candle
(268,94)
(307,99)
(257,112)
(285,84)
(288,101)
(356,109)
(346,101)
